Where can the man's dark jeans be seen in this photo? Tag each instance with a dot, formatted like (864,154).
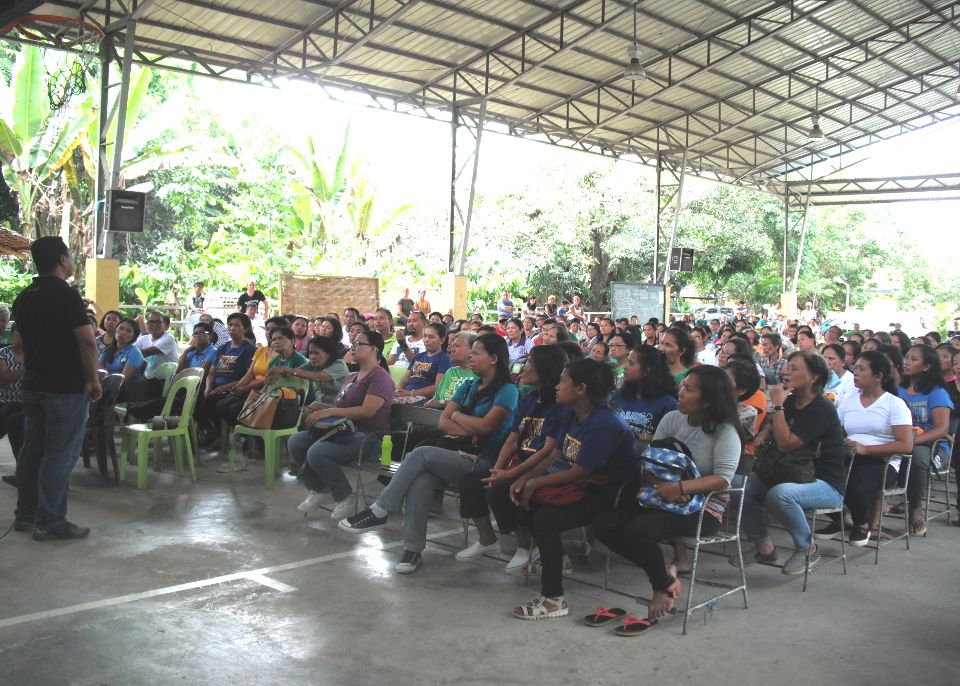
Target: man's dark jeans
(54,431)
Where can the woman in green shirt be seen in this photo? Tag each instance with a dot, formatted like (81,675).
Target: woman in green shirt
(325,370)
(283,342)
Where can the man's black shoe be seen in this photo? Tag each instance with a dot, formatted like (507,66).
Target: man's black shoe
(68,531)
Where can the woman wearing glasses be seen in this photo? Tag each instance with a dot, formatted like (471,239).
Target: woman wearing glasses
(364,399)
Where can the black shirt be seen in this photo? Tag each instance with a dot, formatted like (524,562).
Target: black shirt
(47,312)
(245,298)
(406,306)
(818,422)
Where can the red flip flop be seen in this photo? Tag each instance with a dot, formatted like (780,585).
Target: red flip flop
(604,616)
(633,626)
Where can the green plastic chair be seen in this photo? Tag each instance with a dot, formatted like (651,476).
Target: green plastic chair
(165,371)
(397,372)
(180,434)
(272,447)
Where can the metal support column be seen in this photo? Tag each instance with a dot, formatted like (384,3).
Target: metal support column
(128,47)
(461,194)
(666,199)
(106,55)
(676,222)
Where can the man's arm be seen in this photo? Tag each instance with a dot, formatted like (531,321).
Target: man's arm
(266,308)
(88,355)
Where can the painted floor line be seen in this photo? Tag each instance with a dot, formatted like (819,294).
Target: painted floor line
(265,580)
(256,575)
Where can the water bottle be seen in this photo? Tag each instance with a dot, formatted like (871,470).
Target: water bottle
(386,451)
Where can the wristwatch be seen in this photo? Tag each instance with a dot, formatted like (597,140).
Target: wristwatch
(776,408)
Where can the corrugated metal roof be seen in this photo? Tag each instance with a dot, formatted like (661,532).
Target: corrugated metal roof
(735,80)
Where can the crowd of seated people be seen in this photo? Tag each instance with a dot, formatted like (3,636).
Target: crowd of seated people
(543,418)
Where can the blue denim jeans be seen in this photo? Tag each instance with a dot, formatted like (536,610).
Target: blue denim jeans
(51,445)
(785,503)
(323,459)
(423,470)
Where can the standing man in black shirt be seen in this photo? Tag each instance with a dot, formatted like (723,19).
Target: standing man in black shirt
(60,381)
(252,294)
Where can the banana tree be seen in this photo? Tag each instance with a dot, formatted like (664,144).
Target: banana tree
(324,188)
(35,142)
(360,212)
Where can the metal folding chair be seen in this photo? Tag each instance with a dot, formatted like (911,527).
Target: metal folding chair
(939,473)
(729,534)
(813,514)
(897,490)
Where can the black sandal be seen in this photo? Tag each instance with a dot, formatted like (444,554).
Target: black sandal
(633,626)
(604,616)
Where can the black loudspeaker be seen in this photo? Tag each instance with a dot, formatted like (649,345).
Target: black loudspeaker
(126,211)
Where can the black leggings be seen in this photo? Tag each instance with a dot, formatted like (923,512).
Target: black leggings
(633,531)
(863,489)
(546,523)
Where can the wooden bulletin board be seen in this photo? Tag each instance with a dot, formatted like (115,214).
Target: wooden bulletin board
(314,296)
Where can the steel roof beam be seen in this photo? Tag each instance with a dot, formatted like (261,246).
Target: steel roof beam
(858,102)
(870,53)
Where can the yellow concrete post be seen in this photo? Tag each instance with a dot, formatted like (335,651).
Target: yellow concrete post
(788,305)
(453,295)
(103,282)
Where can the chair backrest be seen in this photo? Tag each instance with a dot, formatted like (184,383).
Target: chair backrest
(191,385)
(111,387)
(165,371)
(183,374)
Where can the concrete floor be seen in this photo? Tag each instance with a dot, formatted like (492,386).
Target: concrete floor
(225,583)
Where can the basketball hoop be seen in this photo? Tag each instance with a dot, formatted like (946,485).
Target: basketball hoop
(80,38)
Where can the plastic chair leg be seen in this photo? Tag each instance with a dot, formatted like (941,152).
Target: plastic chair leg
(232,448)
(191,454)
(177,445)
(125,440)
(269,459)
(143,455)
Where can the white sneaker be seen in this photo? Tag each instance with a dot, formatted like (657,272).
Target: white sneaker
(521,558)
(311,503)
(345,508)
(477,550)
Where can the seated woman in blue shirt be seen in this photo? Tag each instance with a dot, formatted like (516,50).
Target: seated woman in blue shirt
(476,422)
(201,352)
(122,355)
(922,389)
(532,438)
(648,391)
(578,481)
(427,368)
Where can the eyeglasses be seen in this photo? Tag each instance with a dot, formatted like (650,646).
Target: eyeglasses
(154,321)
(357,344)
(616,345)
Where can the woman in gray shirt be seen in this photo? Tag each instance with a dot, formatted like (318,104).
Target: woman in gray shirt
(707,424)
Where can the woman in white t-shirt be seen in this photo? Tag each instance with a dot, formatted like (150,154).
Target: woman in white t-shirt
(838,390)
(878,424)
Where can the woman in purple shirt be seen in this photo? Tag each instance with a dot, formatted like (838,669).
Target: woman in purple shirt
(364,399)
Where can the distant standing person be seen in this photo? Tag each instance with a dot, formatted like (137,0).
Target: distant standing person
(196,305)
(404,307)
(505,306)
(422,304)
(198,298)
(60,380)
(253,294)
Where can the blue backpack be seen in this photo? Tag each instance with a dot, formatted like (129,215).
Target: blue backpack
(668,460)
